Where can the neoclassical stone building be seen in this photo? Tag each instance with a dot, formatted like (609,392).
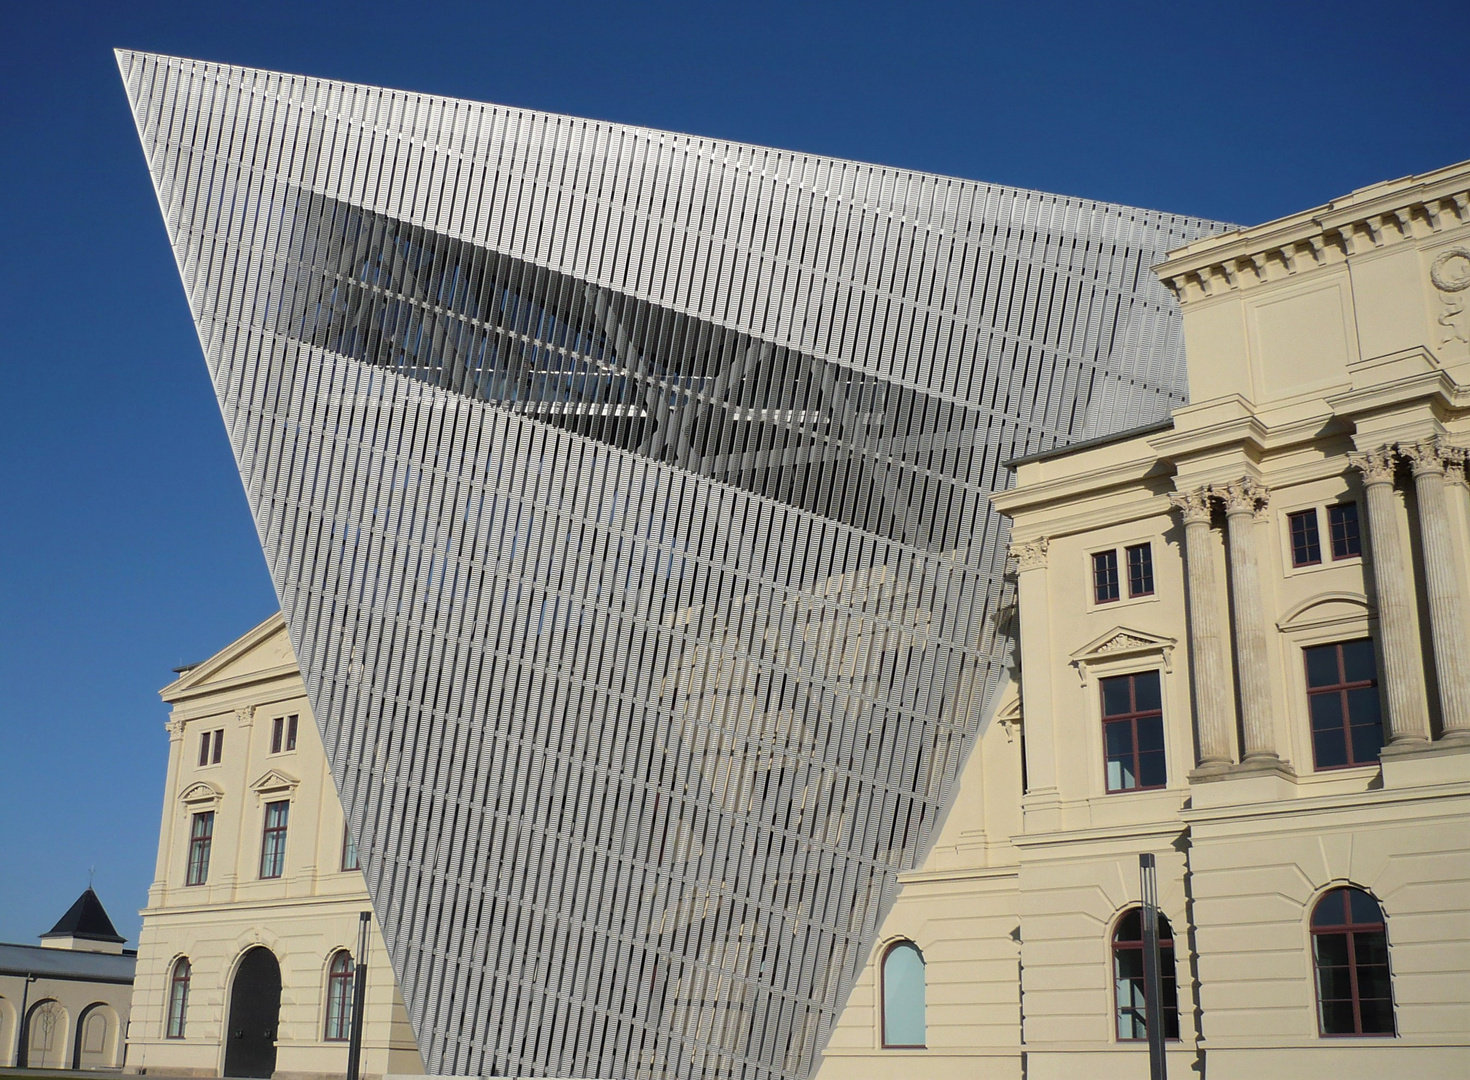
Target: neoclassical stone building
(1243,648)
(246,952)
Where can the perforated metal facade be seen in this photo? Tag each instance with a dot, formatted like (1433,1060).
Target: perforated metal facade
(625,494)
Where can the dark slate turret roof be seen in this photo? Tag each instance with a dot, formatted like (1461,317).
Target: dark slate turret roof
(86,919)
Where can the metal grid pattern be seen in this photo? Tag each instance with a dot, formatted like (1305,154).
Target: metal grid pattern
(625,495)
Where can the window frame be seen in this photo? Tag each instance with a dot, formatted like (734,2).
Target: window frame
(1349,929)
(1322,509)
(1307,514)
(1166,942)
(176,1018)
(211,747)
(269,833)
(338,1025)
(1120,550)
(1357,530)
(200,846)
(888,951)
(283,733)
(1132,717)
(349,845)
(1341,689)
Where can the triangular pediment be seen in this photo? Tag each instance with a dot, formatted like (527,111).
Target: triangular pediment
(201,791)
(264,648)
(1123,641)
(274,782)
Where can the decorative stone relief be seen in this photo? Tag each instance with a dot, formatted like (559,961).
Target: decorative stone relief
(1030,555)
(1243,496)
(1192,505)
(1450,274)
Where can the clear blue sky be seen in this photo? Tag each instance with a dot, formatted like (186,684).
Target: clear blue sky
(125,544)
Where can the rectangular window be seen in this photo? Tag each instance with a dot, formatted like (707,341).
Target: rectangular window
(1105,577)
(1342,696)
(1342,527)
(349,850)
(1306,544)
(211,746)
(1133,732)
(201,837)
(283,734)
(291,732)
(277,728)
(1140,570)
(273,842)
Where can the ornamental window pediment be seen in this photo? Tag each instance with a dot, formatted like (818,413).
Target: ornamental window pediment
(273,783)
(201,795)
(1326,610)
(1122,643)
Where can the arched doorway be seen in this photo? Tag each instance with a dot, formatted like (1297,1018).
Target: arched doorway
(255,1007)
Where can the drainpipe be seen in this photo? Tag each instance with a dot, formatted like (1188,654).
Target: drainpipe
(21,1024)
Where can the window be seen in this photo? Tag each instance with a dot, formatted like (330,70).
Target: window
(1105,577)
(349,850)
(1350,953)
(903,997)
(1128,985)
(1133,732)
(339,996)
(201,837)
(1342,694)
(273,843)
(283,734)
(1342,527)
(1140,569)
(211,746)
(1138,563)
(178,998)
(1306,544)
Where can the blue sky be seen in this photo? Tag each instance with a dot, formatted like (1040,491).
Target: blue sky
(125,544)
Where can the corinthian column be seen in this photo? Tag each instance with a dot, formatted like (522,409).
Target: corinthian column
(1447,630)
(1212,694)
(1403,680)
(1034,610)
(1244,500)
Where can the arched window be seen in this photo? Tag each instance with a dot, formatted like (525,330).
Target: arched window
(1350,953)
(178,997)
(903,996)
(1128,986)
(339,996)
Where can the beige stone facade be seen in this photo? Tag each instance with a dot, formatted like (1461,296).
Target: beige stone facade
(304,918)
(1329,369)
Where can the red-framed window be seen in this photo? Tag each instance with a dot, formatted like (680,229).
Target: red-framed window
(283,734)
(339,997)
(1130,999)
(1133,732)
(1342,531)
(273,840)
(1350,955)
(1105,584)
(1342,696)
(178,998)
(1140,569)
(211,746)
(1306,541)
(201,838)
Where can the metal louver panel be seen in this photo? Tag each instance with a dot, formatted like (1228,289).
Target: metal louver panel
(626,498)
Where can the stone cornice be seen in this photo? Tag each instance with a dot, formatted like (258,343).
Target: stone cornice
(1377,217)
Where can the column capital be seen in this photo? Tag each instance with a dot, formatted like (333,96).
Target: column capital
(1243,496)
(1029,554)
(1433,455)
(175,728)
(1193,506)
(1376,465)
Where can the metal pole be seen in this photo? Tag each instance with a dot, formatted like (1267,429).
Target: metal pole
(22,1057)
(1153,990)
(359,995)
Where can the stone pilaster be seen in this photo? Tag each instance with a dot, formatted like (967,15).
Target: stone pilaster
(1244,501)
(1213,698)
(1034,608)
(1393,580)
(1447,630)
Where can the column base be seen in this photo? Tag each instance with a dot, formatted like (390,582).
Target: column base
(1417,763)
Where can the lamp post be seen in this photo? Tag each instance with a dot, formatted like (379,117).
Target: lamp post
(1153,990)
(359,995)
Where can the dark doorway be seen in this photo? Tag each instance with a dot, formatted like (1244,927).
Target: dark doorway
(255,1007)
